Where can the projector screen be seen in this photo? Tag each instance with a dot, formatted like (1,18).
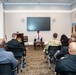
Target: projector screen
(38,23)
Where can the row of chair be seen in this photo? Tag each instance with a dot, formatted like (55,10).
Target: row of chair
(19,55)
(7,68)
(51,51)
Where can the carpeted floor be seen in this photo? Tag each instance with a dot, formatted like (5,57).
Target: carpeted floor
(36,64)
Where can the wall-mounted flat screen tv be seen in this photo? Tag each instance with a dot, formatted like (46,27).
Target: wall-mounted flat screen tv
(38,23)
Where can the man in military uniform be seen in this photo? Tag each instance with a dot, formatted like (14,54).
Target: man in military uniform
(67,63)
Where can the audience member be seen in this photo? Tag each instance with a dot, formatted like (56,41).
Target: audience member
(15,43)
(53,42)
(64,40)
(73,37)
(38,37)
(67,63)
(64,50)
(7,57)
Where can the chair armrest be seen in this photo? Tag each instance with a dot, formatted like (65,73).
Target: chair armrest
(15,69)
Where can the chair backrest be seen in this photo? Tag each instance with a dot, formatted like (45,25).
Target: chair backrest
(18,52)
(52,50)
(25,38)
(6,69)
(68,73)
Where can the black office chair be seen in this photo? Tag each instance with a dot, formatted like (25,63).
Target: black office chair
(18,53)
(67,73)
(6,69)
(51,51)
(25,38)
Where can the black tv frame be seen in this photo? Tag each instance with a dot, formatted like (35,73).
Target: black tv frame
(41,23)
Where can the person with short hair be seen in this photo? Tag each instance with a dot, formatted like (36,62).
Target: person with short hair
(7,57)
(53,42)
(68,62)
(15,43)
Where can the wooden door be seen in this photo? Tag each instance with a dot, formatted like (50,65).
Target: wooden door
(74,29)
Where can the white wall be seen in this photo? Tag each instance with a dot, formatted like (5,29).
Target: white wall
(62,24)
(1,21)
(15,14)
(73,15)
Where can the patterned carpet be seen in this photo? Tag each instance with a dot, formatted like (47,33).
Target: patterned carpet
(36,64)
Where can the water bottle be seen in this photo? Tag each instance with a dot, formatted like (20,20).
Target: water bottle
(22,64)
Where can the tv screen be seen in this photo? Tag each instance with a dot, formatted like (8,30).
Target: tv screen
(38,23)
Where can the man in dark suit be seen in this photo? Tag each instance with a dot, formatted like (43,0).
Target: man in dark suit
(68,62)
(15,43)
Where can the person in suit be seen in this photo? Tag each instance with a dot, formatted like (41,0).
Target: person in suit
(7,57)
(15,43)
(68,62)
(38,37)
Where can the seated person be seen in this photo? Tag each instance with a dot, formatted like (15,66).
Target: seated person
(53,42)
(38,37)
(64,50)
(7,57)
(68,62)
(15,43)
(64,40)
